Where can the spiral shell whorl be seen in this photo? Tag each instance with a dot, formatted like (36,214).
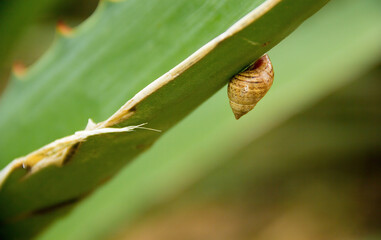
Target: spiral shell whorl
(248,87)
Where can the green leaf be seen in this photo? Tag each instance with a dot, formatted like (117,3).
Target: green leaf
(316,60)
(80,67)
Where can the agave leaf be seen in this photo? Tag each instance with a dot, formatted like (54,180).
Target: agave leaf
(319,58)
(68,85)
(161,104)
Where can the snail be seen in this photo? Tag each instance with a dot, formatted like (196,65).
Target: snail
(248,87)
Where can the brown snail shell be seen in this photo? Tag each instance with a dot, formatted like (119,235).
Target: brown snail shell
(248,87)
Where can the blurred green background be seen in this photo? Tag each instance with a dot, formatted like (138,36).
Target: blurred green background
(313,173)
